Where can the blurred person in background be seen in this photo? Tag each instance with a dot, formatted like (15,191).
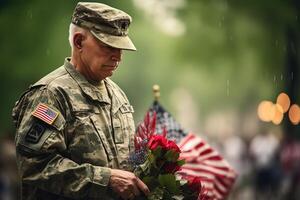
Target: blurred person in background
(9,187)
(290,163)
(74,127)
(263,150)
(235,152)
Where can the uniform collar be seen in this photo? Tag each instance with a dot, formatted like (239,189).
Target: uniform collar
(118,98)
(89,89)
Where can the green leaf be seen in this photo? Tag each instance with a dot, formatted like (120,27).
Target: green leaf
(157,152)
(171,156)
(151,158)
(180,162)
(150,181)
(169,182)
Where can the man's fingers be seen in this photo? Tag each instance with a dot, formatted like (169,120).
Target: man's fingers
(131,196)
(124,196)
(126,184)
(135,190)
(142,186)
(128,195)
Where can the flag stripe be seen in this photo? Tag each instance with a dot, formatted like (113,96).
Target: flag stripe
(201,167)
(42,114)
(204,161)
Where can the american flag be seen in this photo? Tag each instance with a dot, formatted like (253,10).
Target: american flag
(201,159)
(45,113)
(165,120)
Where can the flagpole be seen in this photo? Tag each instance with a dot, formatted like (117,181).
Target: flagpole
(156,92)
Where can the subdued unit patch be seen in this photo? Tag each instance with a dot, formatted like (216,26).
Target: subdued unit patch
(35,133)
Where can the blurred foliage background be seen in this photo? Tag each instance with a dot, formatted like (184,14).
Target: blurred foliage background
(213,59)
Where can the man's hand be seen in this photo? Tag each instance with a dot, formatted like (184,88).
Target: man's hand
(126,184)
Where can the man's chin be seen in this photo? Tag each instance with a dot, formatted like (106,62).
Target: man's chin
(108,74)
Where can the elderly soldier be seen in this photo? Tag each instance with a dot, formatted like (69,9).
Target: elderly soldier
(74,126)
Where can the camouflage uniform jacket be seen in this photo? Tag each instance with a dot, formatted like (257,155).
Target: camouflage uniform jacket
(68,135)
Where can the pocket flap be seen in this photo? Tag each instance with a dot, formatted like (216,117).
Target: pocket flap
(102,137)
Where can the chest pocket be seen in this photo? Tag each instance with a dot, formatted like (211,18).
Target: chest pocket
(123,134)
(88,143)
(103,137)
(123,124)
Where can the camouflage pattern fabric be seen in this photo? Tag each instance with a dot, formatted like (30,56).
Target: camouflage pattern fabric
(69,133)
(108,24)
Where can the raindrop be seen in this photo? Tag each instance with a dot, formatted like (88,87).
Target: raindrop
(227,88)
(292,75)
(281,77)
(220,23)
(293,47)
(29,13)
(274,79)
(284,49)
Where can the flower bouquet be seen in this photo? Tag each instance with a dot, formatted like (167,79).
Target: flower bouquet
(155,161)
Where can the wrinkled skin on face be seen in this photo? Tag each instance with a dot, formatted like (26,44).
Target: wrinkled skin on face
(94,59)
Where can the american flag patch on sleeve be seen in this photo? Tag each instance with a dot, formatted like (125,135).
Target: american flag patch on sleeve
(45,113)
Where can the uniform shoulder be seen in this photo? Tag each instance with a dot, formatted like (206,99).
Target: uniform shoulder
(42,84)
(59,72)
(43,90)
(57,81)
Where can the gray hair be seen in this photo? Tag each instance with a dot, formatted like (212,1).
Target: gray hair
(75,29)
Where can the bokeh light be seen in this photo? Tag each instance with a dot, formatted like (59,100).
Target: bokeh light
(284,101)
(294,114)
(266,111)
(278,114)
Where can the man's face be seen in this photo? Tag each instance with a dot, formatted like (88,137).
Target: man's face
(99,60)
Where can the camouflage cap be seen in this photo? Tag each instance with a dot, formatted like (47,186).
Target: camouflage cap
(108,24)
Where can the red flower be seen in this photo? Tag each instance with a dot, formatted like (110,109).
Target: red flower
(195,184)
(156,141)
(171,167)
(173,146)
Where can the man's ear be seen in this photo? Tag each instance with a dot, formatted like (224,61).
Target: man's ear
(78,40)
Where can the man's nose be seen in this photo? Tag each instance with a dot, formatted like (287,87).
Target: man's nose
(117,55)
